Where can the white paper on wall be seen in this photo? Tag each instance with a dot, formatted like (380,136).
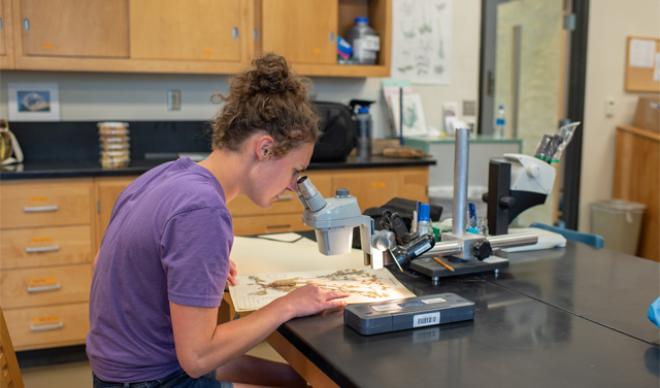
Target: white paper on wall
(642,53)
(421,41)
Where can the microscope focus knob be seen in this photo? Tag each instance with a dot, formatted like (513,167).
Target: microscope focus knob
(342,193)
(482,249)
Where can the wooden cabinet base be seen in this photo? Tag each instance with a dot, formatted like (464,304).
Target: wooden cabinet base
(48,327)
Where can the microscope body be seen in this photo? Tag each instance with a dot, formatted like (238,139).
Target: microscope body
(333,220)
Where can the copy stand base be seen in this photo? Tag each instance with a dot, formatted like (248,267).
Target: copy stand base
(428,267)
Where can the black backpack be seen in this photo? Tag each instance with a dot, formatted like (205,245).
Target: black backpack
(338,132)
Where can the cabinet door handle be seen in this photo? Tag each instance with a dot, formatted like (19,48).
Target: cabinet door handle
(284,197)
(41,209)
(332,37)
(43,248)
(234,32)
(38,327)
(26,24)
(2,22)
(282,226)
(44,288)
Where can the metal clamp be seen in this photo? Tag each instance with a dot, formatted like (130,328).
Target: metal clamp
(43,248)
(41,209)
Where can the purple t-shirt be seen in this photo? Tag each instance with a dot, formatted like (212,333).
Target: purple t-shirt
(168,240)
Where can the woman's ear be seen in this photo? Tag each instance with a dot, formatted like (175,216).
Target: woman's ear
(264,147)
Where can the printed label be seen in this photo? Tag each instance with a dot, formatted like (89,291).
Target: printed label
(371,43)
(427,319)
(381,308)
(422,249)
(433,300)
(42,282)
(46,320)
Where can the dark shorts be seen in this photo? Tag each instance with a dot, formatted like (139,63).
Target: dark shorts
(178,379)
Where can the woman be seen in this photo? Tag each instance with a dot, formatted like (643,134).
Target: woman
(160,273)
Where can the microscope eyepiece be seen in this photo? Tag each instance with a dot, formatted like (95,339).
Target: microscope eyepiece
(309,195)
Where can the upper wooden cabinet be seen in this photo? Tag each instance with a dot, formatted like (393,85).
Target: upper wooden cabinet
(3,29)
(192,36)
(74,28)
(6,44)
(289,29)
(205,30)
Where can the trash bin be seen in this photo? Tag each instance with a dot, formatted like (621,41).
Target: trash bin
(619,222)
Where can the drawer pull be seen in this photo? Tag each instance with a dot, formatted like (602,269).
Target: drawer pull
(48,283)
(39,327)
(41,209)
(43,249)
(282,226)
(44,288)
(284,197)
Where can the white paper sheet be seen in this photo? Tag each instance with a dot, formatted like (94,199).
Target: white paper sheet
(421,37)
(364,285)
(642,53)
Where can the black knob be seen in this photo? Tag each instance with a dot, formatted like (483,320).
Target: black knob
(342,193)
(482,249)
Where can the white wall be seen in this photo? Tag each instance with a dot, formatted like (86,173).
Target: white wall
(610,22)
(103,96)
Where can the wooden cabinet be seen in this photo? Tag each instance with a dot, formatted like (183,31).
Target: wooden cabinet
(289,29)
(46,240)
(107,191)
(50,231)
(6,43)
(637,179)
(195,36)
(73,28)
(323,21)
(374,187)
(168,36)
(197,30)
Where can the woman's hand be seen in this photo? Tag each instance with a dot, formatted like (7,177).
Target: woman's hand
(311,299)
(233,272)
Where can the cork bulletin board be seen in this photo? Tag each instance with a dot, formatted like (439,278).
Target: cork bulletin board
(642,64)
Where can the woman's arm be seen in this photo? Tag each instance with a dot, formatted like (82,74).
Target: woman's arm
(202,345)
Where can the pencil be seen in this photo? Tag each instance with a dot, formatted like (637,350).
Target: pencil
(442,263)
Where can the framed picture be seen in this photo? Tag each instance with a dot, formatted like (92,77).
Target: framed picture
(34,102)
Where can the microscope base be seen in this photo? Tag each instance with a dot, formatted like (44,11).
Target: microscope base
(428,267)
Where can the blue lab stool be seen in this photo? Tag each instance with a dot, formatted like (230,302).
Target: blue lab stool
(594,240)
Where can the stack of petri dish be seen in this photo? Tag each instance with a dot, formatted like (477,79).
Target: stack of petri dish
(115,149)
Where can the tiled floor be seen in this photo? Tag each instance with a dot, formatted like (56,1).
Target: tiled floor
(78,374)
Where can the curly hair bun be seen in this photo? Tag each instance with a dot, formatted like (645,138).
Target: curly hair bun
(268,97)
(271,75)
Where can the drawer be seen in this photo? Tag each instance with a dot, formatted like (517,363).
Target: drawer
(45,204)
(43,327)
(286,203)
(279,223)
(45,286)
(36,247)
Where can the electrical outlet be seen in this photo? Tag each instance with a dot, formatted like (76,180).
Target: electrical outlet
(610,106)
(469,108)
(174,99)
